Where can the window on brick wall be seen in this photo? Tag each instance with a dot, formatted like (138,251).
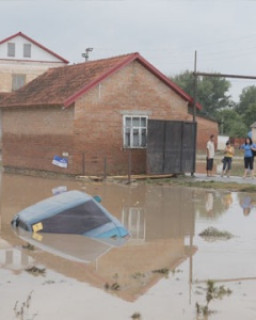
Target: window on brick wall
(135,131)
(11,49)
(18,81)
(27,50)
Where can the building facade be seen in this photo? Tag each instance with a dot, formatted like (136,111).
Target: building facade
(22,59)
(92,114)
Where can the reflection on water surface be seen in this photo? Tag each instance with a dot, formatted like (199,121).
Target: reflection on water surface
(164,223)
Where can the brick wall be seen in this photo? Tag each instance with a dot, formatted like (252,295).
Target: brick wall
(91,131)
(205,128)
(99,117)
(32,136)
(31,69)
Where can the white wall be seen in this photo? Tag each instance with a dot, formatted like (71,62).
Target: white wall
(221,143)
(37,53)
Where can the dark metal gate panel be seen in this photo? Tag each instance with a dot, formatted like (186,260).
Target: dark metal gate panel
(171,146)
(155,146)
(188,147)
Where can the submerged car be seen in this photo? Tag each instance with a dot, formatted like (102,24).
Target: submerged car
(71,212)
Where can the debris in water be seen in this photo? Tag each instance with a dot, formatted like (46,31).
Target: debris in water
(136,316)
(213,233)
(36,271)
(164,271)
(28,246)
(114,287)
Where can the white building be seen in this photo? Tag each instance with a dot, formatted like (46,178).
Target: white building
(22,59)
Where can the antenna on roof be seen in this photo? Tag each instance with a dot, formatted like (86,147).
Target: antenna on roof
(86,53)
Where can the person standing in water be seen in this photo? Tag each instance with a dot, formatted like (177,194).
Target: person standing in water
(210,153)
(227,161)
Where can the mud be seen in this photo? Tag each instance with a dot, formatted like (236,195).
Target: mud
(159,273)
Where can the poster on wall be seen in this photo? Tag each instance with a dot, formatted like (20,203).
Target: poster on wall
(60,162)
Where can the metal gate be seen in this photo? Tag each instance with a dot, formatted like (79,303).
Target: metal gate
(171,147)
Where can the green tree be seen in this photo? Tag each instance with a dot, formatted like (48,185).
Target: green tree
(211,92)
(247,97)
(249,114)
(231,123)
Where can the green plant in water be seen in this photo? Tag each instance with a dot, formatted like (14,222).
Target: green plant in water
(21,311)
(212,292)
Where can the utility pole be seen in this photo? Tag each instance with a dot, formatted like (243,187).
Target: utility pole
(194,113)
(195,87)
(85,54)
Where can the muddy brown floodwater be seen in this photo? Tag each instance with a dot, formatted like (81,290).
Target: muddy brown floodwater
(159,273)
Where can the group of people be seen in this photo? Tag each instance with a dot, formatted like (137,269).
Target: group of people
(249,151)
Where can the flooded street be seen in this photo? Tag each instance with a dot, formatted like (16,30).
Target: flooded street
(159,273)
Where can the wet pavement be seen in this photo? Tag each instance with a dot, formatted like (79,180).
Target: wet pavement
(160,272)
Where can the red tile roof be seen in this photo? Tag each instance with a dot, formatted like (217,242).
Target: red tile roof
(3,95)
(64,85)
(36,43)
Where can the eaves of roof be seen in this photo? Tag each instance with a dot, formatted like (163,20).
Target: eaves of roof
(34,42)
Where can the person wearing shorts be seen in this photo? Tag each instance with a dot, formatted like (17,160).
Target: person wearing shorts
(248,148)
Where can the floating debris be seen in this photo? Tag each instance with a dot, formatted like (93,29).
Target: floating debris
(36,271)
(138,275)
(136,316)
(213,233)
(164,271)
(114,287)
(28,246)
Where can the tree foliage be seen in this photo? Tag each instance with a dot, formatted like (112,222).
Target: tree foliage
(247,97)
(211,92)
(234,119)
(231,123)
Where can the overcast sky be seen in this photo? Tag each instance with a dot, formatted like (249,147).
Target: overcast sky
(165,32)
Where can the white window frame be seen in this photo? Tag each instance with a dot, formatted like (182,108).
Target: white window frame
(132,129)
(11,49)
(27,50)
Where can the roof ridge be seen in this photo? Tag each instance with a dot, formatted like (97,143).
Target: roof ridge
(72,81)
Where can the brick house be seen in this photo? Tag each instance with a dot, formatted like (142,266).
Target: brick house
(91,113)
